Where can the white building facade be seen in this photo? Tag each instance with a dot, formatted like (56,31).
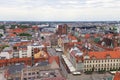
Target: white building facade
(97,61)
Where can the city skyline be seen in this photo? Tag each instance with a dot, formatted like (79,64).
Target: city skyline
(60,10)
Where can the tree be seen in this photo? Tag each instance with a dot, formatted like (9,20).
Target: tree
(2,27)
(3,47)
(88,72)
(1,35)
(13,26)
(15,48)
(24,34)
(24,26)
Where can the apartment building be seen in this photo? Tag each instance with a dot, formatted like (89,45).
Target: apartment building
(94,61)
(107,60)
(33,49)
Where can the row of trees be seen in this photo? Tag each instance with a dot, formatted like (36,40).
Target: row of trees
(101,71)
(25,34)
(1,35)
(3,46)
(21,34)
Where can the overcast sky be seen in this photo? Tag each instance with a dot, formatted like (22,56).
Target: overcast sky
(59,10)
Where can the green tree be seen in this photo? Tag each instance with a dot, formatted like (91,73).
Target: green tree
(2,27)
(15,48)
(24,26)
(1,35)
(24,34)
(13,26)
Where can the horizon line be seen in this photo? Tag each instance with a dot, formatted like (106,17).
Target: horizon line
(59,20)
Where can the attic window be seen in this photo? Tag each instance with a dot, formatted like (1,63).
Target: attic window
(86,57)
(108,56)
(93,57)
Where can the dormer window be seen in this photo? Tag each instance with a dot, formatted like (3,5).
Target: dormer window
(108,56)
(86,57)
(93,57)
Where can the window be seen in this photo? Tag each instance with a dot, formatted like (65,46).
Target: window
(114,64)
(33,73)
(37,72)
(29,73)
(102,64)
(105,65)
(87,61)
(29,77)
(84,65)
(24,73)
(96,65)
(117,60)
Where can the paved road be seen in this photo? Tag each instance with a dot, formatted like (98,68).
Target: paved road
(94,76)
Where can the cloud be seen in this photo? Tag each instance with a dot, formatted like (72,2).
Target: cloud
(59,9)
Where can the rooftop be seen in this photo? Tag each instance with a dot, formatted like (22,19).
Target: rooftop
(104,54)
(117,76)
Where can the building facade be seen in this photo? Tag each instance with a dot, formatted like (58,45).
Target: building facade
(97,61)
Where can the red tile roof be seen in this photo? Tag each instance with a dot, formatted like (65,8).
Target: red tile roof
(17,30)
(35,27)
(46,44)
(71,44)
(109,35)
(72,37)
(87,35)
(103,55)
(117,76)
(22,44)
(12,35)
(117,48)
(77,57)
(17,44)
(73,53)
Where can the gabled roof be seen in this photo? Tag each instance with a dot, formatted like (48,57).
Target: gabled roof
(71,44)
(104,54)
(72,37)
(22,43)
(17,30)
(117,48)
(12,35)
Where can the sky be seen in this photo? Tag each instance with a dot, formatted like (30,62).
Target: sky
(60,10)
